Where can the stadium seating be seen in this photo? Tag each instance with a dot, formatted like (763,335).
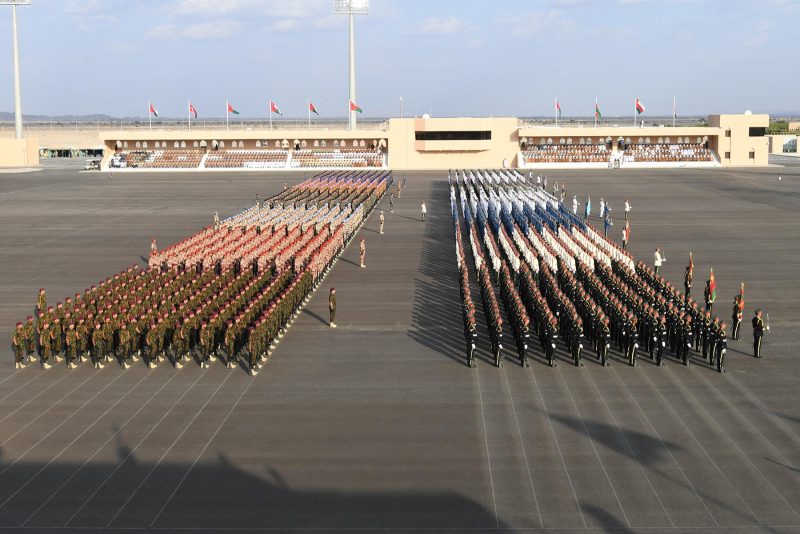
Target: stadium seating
(666,153)
(566,154)
(157,159)
(247,159)
(337,158)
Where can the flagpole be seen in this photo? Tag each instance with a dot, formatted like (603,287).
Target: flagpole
(555,101)
(190,115)
(227,107)
(634,112)
(150,115)
(270,114)
(673,112)
(309,113)
(595,112)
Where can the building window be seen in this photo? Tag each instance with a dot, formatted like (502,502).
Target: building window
(727,155)
(176,144)
(316,143)
(728,132)
(144,144)
(125,144)
(258,143)
(660,140)
(647,140)
(476,135)
(666,140)
(758,131)
(335,143)
(138,144)
(323,143)
(752,155)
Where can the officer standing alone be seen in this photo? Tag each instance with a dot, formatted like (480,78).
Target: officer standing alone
(332,307)
(758,333)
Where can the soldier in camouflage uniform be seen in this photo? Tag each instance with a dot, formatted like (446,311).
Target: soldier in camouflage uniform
(18,342)
(71,342)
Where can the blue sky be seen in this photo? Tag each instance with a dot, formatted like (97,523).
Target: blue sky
(448,57)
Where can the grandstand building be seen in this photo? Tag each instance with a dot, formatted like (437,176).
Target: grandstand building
(445,143)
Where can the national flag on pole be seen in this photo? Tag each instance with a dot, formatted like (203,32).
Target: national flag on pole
(558,108)
(627,231)
(597,114)
(674,109)
(639,107)
(712,286)
(312,109)
(231,110)
(192,110)
(354,107)
(273,107)
(691,263)
(153,110)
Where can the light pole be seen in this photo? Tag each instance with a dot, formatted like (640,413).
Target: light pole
(350,8)
(15,47)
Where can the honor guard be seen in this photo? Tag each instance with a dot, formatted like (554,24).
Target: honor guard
(758,333)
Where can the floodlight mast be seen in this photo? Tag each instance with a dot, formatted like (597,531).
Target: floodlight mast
(350,8)
(15,48)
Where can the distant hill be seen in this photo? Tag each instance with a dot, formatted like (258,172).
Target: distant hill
(6,116)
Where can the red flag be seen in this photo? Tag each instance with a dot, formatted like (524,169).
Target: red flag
(153,110)
(639,107)
(231,110)
(273,107)
(712,285)
(354,107)
(192,110)
(312,109)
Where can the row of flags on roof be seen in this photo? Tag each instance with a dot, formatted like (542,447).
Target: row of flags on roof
(638,107)
(273,108)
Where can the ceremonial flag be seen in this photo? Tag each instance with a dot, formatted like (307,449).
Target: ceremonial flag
(674,109)
(712,286)
(639,107)
(691,263)
(354,107)
(192,110)
(597,114)
(273,107)
(312,109)
(558,107)
(153,109)
(230,109)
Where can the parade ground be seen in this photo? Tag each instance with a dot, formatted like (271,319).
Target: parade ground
(378,425)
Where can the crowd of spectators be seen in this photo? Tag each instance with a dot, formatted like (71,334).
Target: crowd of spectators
(566,154)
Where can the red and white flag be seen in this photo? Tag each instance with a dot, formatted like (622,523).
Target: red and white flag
(273,107)
(639,107)
(153,109)
(192,110)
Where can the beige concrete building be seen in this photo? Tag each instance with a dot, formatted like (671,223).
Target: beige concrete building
(17,153)
(445,143)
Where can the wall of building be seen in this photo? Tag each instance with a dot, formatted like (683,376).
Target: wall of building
(405,152)
(778,144)
(726,134)
(17,153)
(735,146)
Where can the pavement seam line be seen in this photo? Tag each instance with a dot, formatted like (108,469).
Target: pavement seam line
(31,478)
(197,458)
(675,461)
(522,445)
(164,454)
(101,447)
(130,453)
(558,447)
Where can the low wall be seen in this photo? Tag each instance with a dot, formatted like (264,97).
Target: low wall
(19,152)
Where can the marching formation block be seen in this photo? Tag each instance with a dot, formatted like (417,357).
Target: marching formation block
(230,290)
(559,279)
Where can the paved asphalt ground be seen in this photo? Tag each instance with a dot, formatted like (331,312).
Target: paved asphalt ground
(378,425)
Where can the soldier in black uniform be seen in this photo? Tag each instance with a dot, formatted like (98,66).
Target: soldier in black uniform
(722,347)
(736,316)
(576,340)
(550,336)
(758,333)
(661,340)
(603,341)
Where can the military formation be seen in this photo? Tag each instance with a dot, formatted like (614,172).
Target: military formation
(168,312)
(577,286)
